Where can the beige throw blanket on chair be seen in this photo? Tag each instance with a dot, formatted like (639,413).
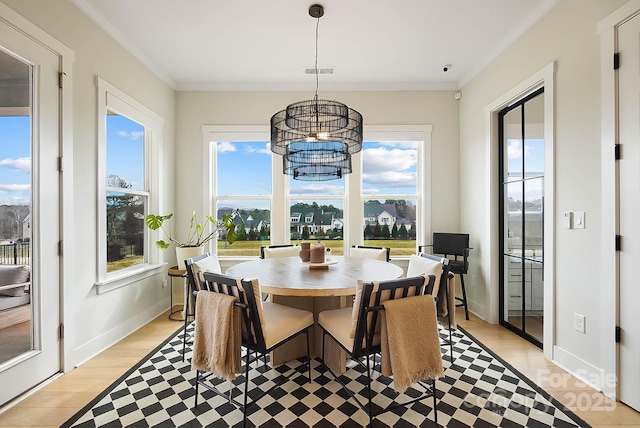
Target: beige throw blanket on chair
(217,340)
(446,307)
(410,346)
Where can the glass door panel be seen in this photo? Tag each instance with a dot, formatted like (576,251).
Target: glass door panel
(521,148)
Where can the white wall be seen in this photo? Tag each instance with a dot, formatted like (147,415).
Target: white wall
(568,36)
(93,322)
(439,109)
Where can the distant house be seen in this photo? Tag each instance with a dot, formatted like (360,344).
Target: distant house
(26,227)
(315,222)
(380,214)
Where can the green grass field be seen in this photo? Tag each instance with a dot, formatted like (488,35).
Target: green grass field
(252,248)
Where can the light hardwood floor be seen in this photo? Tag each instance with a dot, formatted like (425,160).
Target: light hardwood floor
(62,398)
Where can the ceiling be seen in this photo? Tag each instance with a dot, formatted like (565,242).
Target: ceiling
(267,45)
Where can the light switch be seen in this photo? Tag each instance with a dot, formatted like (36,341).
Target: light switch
(567,220)
(578,219)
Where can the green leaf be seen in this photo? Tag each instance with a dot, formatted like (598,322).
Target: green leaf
(162,244)
(154,222)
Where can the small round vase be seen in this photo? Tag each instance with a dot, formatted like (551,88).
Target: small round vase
(305,251)
(317,253)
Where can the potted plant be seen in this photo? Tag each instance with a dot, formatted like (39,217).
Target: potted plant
(199,233)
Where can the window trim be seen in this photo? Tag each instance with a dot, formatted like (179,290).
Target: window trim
(111,98)
(352,205)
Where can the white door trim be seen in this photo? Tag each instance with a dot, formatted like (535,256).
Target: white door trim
(67,58)
(607,29)
(491,258)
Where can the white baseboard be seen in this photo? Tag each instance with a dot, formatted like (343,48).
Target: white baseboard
(587,373)
(109,338)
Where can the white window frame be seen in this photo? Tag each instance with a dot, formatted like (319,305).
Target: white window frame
(420,133)
(353,199)
(111,98)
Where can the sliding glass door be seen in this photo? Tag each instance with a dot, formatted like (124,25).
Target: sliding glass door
(521,153)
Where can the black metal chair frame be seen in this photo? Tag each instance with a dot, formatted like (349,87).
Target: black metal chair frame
(253,343)
(364,334)
(443,292)
(456,245)
(376,248)
(191,291)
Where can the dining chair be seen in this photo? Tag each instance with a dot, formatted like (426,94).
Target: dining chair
(195,266)
(410,342)
(273,251)
(428,264)
(265,326)
(457,246)
(377,253)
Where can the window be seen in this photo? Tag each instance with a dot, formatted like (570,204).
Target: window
(381,203)
(390,198)
(128,140)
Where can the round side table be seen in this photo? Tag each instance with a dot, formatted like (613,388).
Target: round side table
(174,272)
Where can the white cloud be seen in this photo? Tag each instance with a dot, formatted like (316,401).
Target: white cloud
(514,149)
(135,135)
(20,164)
(15,194)
(313,188)
(400,144)
(265,151)
(15,187)
(225,146)
(389,179)
(380,159)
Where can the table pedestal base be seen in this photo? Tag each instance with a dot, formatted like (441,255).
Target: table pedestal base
(335,357)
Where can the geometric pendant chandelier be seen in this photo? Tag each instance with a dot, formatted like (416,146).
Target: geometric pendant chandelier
(316,138)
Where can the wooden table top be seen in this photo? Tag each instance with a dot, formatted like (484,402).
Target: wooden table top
(288,276)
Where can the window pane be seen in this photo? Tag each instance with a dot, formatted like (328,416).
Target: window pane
(125,151)
(125,230)
(534,137)
(513,218)
(391,223)
(513,144)
(244,168)
(316,221)
(330,187)
(389,167)
(253,225)
(533,226)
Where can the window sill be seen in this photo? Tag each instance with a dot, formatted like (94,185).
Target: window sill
(128,276)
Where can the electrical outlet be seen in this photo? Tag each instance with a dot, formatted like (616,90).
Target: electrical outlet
(579,322)
(164,283)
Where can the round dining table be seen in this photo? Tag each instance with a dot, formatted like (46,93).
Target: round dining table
(289,276)
(313,287)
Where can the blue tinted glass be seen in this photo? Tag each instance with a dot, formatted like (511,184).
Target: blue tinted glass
(125,153)
(243,168)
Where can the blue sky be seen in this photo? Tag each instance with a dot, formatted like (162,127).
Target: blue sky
(245,169)
(534,165)
(125,150)
(389,167)
(15,160)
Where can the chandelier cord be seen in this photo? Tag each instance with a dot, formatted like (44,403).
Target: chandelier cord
(316,63)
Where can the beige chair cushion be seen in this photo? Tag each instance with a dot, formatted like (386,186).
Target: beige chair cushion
(282,321)
(208,264)
(334,321)
(270,253)
(422,266)
(369,253)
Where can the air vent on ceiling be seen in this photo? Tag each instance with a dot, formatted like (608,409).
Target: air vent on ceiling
(324,70)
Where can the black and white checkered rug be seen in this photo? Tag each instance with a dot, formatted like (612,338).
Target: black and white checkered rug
(479,390)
